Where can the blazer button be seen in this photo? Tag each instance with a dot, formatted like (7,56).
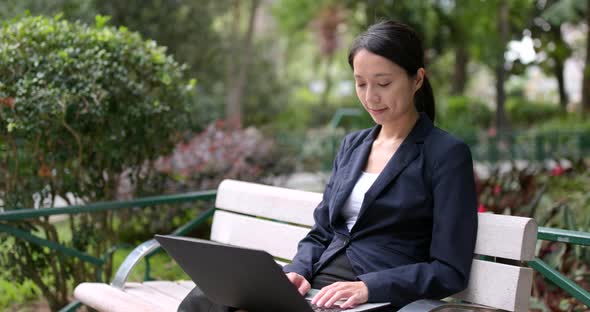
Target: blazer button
(345,242)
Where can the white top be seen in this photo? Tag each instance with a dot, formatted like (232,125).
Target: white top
(352,207)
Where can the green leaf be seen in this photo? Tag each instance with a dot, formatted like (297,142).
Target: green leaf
(11,126)
(166,79)
(101,20)
(191,84)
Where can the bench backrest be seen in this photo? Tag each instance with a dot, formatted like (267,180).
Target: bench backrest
(275,219)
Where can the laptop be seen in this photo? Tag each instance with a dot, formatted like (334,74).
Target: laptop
(243,278)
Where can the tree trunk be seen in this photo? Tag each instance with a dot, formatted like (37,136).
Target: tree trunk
(563,98)
(586,81)
(327,81)
(236,87)
(501,120)
(460,69)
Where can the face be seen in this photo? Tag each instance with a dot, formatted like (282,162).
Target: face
(384,88)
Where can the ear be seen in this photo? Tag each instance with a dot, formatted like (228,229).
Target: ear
(419,78)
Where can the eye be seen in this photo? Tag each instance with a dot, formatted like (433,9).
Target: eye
(384,84)
(360,85)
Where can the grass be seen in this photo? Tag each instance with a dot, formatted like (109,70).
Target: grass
(162,267)
(12,294)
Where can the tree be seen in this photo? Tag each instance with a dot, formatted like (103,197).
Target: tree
(239,63)
(586,81)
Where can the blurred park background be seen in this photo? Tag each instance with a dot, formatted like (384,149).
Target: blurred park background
(104,101)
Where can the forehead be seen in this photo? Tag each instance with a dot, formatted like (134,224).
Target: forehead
(367,64)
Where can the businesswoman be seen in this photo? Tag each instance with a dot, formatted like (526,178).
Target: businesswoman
(398,219)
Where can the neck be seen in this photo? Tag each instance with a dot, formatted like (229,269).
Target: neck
(400,128)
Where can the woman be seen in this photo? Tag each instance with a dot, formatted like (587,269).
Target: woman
(398,219)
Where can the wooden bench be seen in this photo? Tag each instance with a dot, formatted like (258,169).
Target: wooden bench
(275,219)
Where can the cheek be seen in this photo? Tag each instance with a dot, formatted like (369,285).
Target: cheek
(403,92)
(360,95)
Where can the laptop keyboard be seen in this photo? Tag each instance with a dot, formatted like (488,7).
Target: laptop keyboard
(322,309)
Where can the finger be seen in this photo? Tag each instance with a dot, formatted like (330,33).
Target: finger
(339,294)
(292,278)
(304,287)
(329,292)
(317,296)
(321,294)
(350,303)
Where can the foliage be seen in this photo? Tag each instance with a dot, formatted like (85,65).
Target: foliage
(320,147)
(555,197)
(160,21)
(80,105)
(462,115)
(220,152)
(526,113)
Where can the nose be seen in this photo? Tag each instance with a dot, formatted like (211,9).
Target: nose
(372,97)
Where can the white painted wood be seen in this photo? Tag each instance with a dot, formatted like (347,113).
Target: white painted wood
(103,297)
(187,284)
(152,296)
(506,236)
(278,239)
(171,289)
(498,285)
(271,202)
(498,235)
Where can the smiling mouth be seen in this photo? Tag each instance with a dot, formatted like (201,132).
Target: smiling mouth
(376,110)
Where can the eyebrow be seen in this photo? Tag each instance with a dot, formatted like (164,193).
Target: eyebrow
(376,75)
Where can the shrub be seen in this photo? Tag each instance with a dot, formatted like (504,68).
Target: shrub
(464,115)
(525,113)
(78,106)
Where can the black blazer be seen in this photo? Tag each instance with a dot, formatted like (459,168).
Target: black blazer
(415,233)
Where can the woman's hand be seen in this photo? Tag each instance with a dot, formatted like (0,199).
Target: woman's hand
(356,292)
(300,282)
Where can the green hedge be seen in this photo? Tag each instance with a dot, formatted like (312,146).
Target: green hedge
(80,107)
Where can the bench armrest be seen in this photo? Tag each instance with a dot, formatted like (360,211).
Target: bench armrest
(132,259)
(429,305)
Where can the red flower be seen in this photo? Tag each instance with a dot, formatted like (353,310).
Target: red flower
(557,171)
(8,102)
(497,189)
(481,208)
(44,171)
(492,132)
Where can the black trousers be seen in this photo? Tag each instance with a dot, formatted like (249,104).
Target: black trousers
(338,269)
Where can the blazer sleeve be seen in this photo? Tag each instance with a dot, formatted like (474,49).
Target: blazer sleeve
(453,238)
(311,247)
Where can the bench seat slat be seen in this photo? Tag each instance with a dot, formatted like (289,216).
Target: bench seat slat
(103,297)
(168,288)
(187,284)
(152,296)
(278,239)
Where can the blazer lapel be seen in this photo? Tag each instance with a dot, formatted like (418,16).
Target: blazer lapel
(405,154)
(352,171)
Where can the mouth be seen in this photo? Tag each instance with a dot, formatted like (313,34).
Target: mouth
(376,110)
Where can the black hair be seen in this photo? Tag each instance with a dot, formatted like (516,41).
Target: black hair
(401,45)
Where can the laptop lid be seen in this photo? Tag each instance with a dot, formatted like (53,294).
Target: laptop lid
(239,277)
(233,276)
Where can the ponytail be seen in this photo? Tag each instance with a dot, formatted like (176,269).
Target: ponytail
(424,99)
